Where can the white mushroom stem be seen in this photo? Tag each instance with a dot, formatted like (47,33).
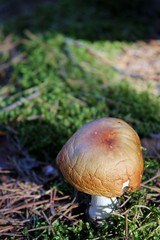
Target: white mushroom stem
(102,207)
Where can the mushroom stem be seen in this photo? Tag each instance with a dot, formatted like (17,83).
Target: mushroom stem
(101,207)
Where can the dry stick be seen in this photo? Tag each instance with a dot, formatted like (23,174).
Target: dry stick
(67,210)
(127,200)
(20,102)
(5,228)
(14,201)
(156,189)
(46,218)
(126,227)
(16,209)
(49,223)
(18,191)
(138,206)
(27,91)
(151,179)
(5,171)
(11,235)
(6,211)
(52,199)
(30,197)
(36,229)
(151,234)
(70,41)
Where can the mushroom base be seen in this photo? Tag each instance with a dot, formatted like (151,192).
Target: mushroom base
(101,207)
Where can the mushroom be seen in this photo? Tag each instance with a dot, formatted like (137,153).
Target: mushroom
(102,159)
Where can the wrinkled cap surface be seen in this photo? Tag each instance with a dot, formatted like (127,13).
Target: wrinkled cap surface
(101,156)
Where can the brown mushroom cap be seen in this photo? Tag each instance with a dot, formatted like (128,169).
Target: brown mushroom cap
(101,156)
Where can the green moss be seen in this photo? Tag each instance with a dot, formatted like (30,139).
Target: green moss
(53,90)
(142,110)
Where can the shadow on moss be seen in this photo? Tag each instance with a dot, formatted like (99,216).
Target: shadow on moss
(91,20)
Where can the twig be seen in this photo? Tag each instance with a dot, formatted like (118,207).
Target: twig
(156,189)
(6,211)
(36,229)
(126,227)
(11,234)
(123,204)
(104,61)
(52,199)
(5,228)
(151,179)
(137,206)
(20,102)
(71,207)
(49,223)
